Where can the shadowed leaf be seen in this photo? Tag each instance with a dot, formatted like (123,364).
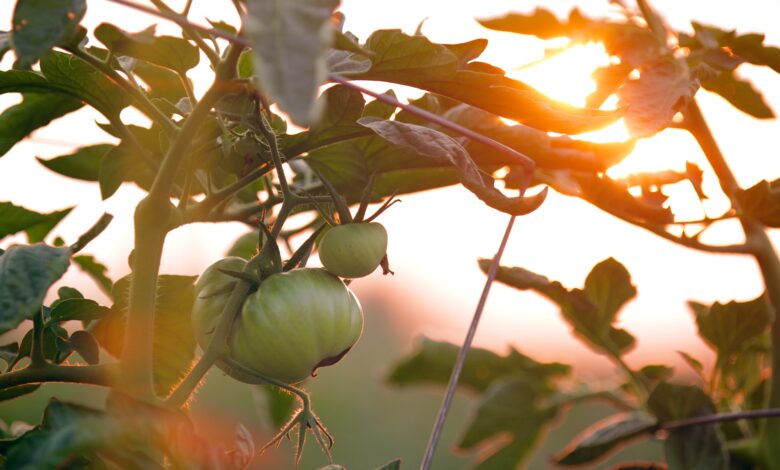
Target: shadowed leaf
(83,164)
(14,219)
(604,437)
(38,25)
(35,111)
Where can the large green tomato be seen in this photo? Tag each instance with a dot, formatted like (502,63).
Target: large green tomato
(353,250)
(296,322)
(207,308)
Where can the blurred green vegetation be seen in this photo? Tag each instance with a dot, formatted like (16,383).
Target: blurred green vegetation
(371,422)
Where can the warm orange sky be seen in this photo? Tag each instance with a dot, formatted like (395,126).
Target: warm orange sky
(436,237)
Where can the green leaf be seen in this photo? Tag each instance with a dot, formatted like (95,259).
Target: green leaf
(730,328)
(73,76)
(762,202)
(35,111)
(38,25)
(174,340)
(14,219)
(26,273)
(83,164)
(590,311)
(95,270)
(433,363)
(696,448)
(165,51)
(662,90)
(510,406)
(741,94)
(290,42)
(342,107)
(86,345)
(605,436)
(5,43)
(392,465)
(608,286)
(437,68)
(670,402)
(77,309)
(541,23)
(162,83)
(433,144)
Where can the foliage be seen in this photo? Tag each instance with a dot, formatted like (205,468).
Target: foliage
(228,156)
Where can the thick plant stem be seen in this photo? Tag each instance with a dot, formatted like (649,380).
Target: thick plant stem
(765,255)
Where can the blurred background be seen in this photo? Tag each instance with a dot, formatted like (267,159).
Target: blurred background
(436,238)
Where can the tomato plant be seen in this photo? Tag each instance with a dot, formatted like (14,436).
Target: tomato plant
(224,152)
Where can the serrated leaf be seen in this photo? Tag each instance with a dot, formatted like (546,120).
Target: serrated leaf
(290,42)
(509,406)
(26,273)
(741,94)
(730,328)
(433,144)
(14,219)
(83,164)
(165,51)
(762,202)
(662,89)
(174,340)
(75,77)
(86,346)
(38,25)
(77,309)
(591,312)
(604,437)
(433,363)
(35,111)
(415,61)
(95,270)
(696,448)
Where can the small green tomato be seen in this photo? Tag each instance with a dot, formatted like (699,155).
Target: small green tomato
(353,250)
(296,322)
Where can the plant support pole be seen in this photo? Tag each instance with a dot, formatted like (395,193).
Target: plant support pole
(464,350)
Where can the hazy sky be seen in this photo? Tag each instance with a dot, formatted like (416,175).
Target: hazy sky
(436,237)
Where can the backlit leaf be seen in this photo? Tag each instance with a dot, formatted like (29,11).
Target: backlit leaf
(14,219)
(165,51)
(35,111)
(433,363)
(591,312)
(604,437)
(433,144)
(96,270)
(762,202)
(290,42)
(26,273)
(741,94)
(83,164)
(729,328)
(38,25)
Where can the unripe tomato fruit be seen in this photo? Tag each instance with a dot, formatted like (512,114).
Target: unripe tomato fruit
(353,250)
(296,322)
(207,308)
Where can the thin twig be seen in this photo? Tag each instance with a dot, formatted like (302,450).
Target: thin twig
(720,418)
(461,360)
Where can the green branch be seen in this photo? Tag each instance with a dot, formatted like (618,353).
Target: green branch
(104,375)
